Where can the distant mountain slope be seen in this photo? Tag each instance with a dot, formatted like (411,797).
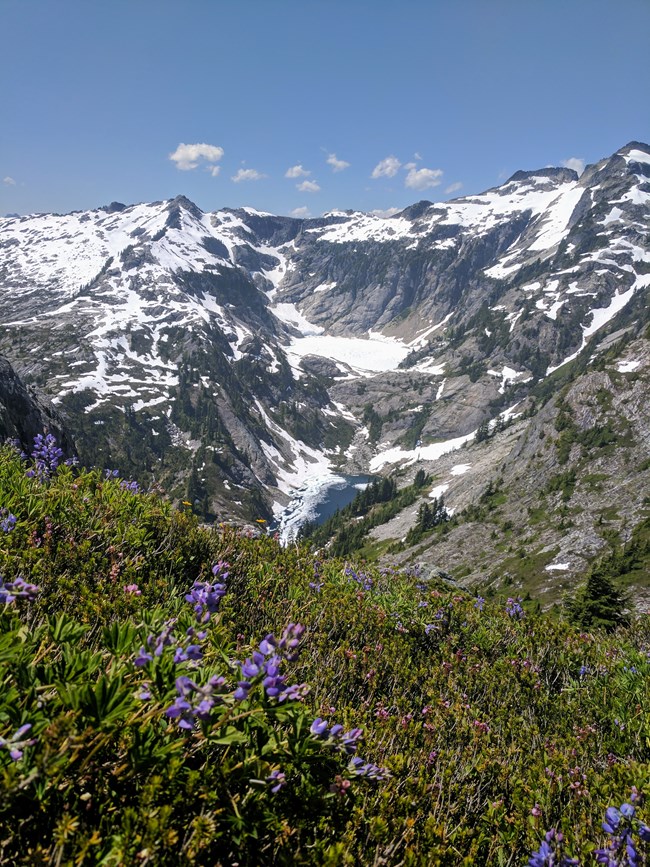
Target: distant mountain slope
(239,356)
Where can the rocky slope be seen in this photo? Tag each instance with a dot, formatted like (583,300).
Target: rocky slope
(242,357)
(24,414)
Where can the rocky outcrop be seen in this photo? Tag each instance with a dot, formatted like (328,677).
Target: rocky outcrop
(24,414)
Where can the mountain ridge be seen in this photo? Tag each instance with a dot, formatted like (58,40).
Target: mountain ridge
(239,356)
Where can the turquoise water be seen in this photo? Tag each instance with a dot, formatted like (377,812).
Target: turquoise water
(339,496)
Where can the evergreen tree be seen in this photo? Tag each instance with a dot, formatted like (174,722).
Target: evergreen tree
(599,603)
(483,432)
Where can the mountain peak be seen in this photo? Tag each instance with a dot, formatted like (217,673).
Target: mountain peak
(636,146)
(182,201)
(555,173)
(178,204)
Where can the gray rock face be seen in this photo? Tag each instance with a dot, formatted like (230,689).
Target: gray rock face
(23,414)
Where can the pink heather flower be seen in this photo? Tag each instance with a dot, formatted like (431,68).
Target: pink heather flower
(132,588)
(536,811)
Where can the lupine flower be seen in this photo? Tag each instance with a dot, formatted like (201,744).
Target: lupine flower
(342,741)
(193,701)
(17,589)
(130,486)
(7,521)
(367,769)
(550,852)
(514,609)
(359,578)
(350,739)
(316,586)
(205,598)
(276,780)
(295,692)
(258,665)
(242,690)
(46,455)
(155,645)
(319,727)
(143,658)
(17,742)
(620,825)
(111,474)
(480,602)
(291,638)
(190,653)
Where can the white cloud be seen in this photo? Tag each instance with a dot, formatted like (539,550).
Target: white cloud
(387,168)
(301,213)
(421,179)
(188,156)
(214,170)
(575,163)
(9,181)
(308,187)
(247,175)
(337,165)
(453,188)
(296,172)
(385,212)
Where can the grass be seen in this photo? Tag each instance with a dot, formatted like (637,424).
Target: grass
(484,729)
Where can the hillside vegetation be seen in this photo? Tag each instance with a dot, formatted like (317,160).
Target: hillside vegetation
(173,694)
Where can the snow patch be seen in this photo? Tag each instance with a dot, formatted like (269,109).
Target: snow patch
(426,453)
(628,366)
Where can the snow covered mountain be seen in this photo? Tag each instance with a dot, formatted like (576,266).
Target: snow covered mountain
(239,356)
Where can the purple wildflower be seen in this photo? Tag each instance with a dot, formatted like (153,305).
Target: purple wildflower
(205,598)
(143,658)
(7,521)
(17,589)
(184,654)
(276,779)
(17,742)
(621,849)
(319,727)
(295,692)
(134,487)
(242,690)
(193,701)
(550,852)
(350,740)
(514,609)
(368,770)
(46,455)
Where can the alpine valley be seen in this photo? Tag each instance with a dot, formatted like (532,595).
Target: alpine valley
(493,350)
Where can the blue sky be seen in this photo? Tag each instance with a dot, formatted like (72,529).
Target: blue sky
(372,105)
